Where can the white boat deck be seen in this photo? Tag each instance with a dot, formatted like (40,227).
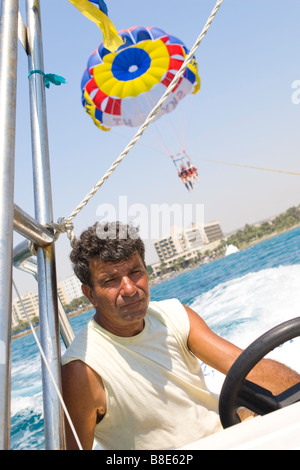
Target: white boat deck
(279,430)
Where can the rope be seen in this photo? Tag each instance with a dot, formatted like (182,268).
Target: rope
(144,126)
(249,166)
(49,370)
(63,226)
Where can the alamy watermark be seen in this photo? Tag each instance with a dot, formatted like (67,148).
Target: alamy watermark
(296,94)
(154,221)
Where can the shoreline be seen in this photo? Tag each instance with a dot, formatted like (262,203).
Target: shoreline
(28,331)
(271,235)
(169,276)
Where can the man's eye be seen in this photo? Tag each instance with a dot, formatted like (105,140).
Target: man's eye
(108,281)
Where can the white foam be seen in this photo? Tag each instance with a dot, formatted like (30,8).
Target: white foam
(260,300)
(21,404)
(242,309)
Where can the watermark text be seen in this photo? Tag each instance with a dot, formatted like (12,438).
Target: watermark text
(154,221)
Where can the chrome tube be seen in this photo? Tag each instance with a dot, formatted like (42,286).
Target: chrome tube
(22,33)
(31,229)
(24,261)
(8,87)
(49,328)
(66,330)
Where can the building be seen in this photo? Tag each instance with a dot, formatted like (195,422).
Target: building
(31,304)
(185,244)
(69,289)
(194,237)
(168,247)
(212,231)
(180,241)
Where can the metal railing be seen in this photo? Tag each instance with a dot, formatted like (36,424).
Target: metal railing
(53,319)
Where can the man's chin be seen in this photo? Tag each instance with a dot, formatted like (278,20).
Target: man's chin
(134,315)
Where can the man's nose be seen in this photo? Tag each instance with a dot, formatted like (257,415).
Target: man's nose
(128,287)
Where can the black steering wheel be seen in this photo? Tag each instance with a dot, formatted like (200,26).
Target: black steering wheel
(239,392)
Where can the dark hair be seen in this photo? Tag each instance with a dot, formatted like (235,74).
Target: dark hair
(110,242)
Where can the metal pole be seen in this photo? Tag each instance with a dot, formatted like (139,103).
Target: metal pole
(49,328)
(8,87)
(23,260)
(31,229)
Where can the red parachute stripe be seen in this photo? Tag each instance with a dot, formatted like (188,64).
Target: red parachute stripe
(164,39)
(91,85)
(117,107)
(99,98)
(113,106)
(167,80)
(175,64)
(175,49)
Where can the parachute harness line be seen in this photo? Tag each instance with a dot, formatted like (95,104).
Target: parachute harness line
(65,224)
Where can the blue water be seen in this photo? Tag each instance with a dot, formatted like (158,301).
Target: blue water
(240,297)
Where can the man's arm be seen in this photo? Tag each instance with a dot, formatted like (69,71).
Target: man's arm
(220,354)
(84,396)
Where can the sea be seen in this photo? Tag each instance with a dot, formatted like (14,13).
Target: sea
(240,296)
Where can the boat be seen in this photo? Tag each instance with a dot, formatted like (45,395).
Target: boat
(36,255)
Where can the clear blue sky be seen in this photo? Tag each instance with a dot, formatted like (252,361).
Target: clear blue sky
(243,113)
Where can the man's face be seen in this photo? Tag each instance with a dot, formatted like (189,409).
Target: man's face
(120,294)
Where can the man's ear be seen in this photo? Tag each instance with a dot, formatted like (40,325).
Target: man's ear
(88,292)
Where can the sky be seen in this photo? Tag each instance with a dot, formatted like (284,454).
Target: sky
(247,112)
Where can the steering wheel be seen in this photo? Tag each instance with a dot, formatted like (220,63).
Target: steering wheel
(239,392)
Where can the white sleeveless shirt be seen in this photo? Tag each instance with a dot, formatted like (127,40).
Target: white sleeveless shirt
(155,389)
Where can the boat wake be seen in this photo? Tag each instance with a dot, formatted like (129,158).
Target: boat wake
(242,309)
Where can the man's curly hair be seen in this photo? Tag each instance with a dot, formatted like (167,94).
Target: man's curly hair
(109,242)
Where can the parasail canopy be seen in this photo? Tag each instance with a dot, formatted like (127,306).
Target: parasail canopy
(122,87)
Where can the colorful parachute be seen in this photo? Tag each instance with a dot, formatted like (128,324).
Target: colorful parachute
(122,87)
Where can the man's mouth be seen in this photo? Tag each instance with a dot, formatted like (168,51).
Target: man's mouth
(131,305)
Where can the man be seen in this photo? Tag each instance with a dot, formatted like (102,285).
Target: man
(131,377)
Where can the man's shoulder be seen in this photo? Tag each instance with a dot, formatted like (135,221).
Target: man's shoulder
(77,370)
(172,313)
(73,352)
(76,366)
(166,306)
